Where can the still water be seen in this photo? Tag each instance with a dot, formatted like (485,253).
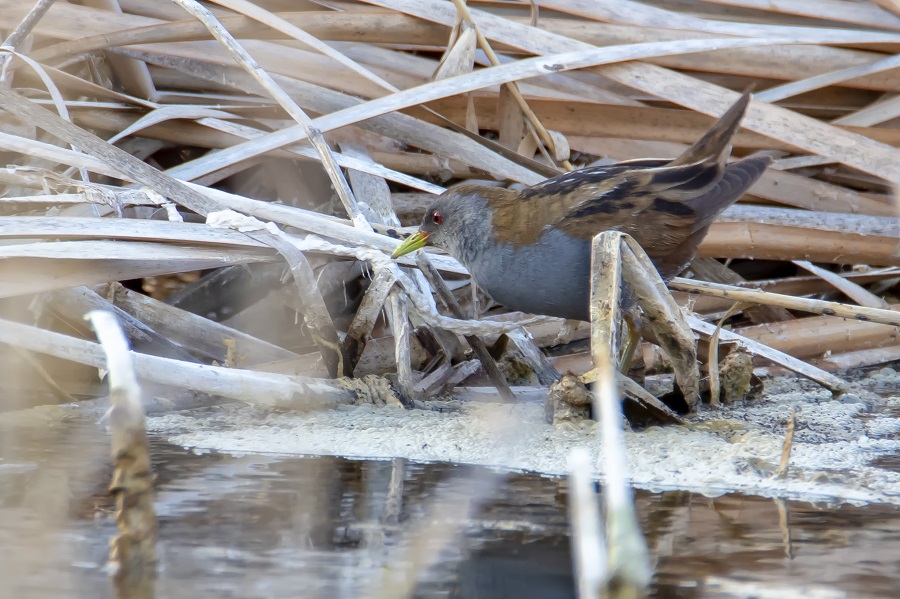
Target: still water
(260,526)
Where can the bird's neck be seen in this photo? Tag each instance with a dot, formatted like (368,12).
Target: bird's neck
(476,235)
(469,248)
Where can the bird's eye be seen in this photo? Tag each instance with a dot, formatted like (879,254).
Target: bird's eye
(437,218)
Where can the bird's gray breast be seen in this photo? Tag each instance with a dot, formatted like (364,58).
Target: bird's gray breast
(550,277)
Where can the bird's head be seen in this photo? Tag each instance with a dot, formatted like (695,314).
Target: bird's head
(458,221)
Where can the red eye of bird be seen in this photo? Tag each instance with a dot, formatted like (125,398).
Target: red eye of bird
(437,218)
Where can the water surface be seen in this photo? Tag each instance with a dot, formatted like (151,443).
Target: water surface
(285,526)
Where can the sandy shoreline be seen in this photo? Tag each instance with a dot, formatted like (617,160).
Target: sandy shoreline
(728,450)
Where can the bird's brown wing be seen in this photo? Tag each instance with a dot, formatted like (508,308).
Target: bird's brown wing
(663,205)
(645,203)
(653,200)
(522,217)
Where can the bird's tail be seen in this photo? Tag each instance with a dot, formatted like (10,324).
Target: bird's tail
(735,181)
(715,145)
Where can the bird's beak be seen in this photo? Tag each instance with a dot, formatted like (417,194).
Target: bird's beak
(412,243)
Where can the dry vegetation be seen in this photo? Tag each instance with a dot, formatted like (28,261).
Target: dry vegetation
(127,134)
(230,185)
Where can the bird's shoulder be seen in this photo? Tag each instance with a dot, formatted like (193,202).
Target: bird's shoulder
(625,196)
(587,184)
(639,195)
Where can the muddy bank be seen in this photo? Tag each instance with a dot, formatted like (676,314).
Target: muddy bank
(842,448)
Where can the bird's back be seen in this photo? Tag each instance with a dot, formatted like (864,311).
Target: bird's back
(666,205)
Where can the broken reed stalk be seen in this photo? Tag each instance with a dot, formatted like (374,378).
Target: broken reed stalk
(262,388)
(628,570)
(537,128)
(191,331)
(18,35)
(851,289)
(315,311)
(314,135)
(588,546)
(378,196)
(532,354)
(713,362)
(365,318)
(400,328)
(71,304)
(321,324)
(638,394)
(475,342)
(139,171)
(785,463)
(826,379)
(665,318)
(758,296)
(606,291)
(132,556)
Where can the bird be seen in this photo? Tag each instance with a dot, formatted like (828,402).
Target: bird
(530,249)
